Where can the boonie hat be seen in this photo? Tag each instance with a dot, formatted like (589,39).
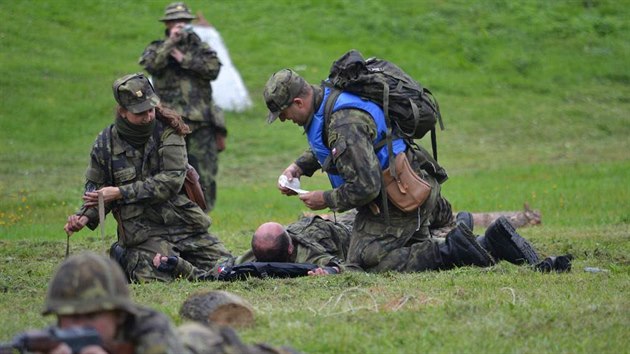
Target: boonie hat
(135,93)
(177,11)
(280,90)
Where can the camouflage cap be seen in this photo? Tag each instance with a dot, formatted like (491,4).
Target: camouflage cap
(280,90)
(177,11)
(135,93)
(87,283)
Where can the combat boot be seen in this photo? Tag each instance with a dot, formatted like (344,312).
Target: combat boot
(461,249)
(503,242)
(466,218)
(117,253)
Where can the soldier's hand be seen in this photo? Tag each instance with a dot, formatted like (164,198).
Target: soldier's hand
(62,348)
(317,271)
(177,55)
(93,349)
(291,172)
(314,200)
(220,138)
(324,271)
(110,194)
(75,223)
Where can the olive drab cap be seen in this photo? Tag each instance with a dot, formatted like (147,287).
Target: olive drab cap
(87,283)
(177,11)
(280,90)
(135,93)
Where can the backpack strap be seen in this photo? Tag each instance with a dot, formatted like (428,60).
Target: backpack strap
(435,107)
(390,150)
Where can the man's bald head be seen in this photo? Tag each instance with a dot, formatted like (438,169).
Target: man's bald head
(272,243)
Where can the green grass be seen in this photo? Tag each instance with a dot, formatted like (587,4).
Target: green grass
(535,100)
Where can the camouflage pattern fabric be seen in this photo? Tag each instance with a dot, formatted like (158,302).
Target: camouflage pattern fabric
(198,256)
(185,87)
(151,332)
(203,155)
(442,215)
(315,240)
(202,339)
(153,210)
(376,244)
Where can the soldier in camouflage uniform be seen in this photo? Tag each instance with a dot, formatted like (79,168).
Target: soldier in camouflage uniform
(325,242)
(182,67)
(89,290)
(138,164)
(309,240)
(378,243)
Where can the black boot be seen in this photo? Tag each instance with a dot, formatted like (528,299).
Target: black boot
(117,253)
(461,249)
(466,218)
(503,242)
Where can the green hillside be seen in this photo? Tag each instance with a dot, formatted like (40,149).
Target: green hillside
(535,97)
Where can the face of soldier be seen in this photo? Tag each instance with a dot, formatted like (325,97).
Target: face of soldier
(141,118)
(298,112)
(174,28)
(104,322)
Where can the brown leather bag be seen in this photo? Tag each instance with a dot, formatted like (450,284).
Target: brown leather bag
(408,191)
(193,187)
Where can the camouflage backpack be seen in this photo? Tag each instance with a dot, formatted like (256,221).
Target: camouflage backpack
(410,109)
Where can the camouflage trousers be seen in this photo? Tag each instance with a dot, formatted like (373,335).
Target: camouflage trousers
(402,243)
(202,251)
(203,155)
(442,215)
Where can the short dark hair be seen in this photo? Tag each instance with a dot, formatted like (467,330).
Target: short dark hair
(277,250)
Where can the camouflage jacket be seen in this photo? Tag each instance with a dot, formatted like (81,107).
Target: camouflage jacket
(150,180)
(315,240)
(150,331)
(184,87)
(350,133)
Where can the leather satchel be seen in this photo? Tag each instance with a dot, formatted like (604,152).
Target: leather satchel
(407,191)
(193,189)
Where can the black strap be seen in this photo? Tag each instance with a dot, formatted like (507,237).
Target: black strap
(107,155)
(434,143)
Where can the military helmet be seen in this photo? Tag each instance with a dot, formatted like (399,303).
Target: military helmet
(177,11)
(87,283)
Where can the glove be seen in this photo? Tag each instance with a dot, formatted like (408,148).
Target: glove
(169,265)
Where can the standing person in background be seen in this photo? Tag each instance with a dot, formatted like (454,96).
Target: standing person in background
(182,67)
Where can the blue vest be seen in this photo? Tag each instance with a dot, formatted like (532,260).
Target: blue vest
(315,131)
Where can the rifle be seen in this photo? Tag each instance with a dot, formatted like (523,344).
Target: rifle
(265,270)
(75,337)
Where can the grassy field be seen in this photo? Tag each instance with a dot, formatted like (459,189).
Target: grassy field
(535,97)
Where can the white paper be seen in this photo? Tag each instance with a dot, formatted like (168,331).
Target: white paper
(293,185)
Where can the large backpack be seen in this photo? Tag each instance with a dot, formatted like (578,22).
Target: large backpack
(410,109)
